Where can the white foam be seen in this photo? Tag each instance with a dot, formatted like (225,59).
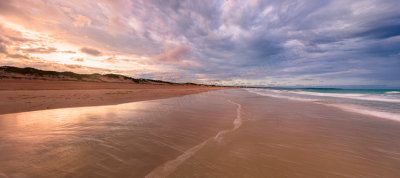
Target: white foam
(349,108)
(170,166)
(367,111)
(167,168)
(269,92)
(351,96)
(393,92)
(236,123)
(278,96)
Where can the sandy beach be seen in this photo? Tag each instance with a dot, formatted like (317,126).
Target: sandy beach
(226,133)
(18,95)
(199,89)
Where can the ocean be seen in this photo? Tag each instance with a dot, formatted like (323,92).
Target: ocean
(382,103)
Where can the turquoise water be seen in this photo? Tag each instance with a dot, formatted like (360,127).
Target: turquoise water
(363,91)
(382,103)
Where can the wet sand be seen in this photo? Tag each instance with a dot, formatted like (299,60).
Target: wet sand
(127,140)
(285,138)
(227,133)
(31,95)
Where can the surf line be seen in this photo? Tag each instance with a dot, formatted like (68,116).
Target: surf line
(170,166)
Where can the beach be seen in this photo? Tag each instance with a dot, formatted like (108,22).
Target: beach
(18,95)
(199,89)
(225,133)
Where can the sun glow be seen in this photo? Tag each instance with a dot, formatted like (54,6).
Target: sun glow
(44,48)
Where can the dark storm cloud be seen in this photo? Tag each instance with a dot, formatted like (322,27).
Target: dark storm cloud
(387,31)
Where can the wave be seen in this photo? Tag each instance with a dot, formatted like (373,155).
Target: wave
(350,96)
(278,96)
(367,111)
(356,96)
(346,107)
(393,92)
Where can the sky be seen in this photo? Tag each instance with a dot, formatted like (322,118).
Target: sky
(225,42)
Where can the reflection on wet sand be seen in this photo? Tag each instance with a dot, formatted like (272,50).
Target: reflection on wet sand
(127,140)
(229,133)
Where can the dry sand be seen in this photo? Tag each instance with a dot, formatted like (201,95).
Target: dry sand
(29,95)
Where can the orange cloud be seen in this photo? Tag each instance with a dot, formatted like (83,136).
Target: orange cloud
(81,21)
(78,59)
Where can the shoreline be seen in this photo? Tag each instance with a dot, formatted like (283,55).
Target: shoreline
(354,107)
(32,95)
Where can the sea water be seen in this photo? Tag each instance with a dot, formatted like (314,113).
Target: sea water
(382,103)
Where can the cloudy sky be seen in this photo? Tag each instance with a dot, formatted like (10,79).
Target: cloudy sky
(248,42)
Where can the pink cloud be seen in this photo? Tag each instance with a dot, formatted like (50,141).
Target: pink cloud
(81,21)
(174,55)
